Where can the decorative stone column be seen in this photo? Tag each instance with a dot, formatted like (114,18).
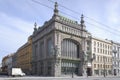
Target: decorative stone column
(84,58)
(57,68)
(57,62)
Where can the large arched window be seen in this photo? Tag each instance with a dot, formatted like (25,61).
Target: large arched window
(69,48)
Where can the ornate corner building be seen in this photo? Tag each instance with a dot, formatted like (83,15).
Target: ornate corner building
(63,47)
(60,47)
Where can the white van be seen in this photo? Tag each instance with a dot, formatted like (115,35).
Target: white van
(17,72)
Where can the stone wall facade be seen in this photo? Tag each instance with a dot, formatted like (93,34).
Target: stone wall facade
(59,47)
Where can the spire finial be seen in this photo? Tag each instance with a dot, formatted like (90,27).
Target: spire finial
(82,21)
(56,8)
(35,26)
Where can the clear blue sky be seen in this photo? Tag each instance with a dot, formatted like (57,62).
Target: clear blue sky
(17,18)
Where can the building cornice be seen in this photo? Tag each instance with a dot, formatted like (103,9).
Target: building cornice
(101,40)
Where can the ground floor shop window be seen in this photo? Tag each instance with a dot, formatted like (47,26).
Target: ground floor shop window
(69,68)
(109,71)
(96,72)
(49,68)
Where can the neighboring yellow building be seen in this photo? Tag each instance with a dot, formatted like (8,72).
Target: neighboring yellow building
(24,56)
(102,65)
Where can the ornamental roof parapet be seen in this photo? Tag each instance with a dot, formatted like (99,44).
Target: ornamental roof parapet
(67,20)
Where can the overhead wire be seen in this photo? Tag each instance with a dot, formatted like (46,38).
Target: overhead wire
(86,17)
(42,4)
(113,32)
(53,9)
(103,28)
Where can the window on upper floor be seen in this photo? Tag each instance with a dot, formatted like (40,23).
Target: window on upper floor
(94,65)
(114,48)
(97,44)
(94,49)
(98,59)
(108,47)
(88,42)
(98,66)
(49,46)
(103,46)
(35,50)
(41,49)
(88,48)
(100,45)
(98,50)
(70,48)
(94,43)
(103,51)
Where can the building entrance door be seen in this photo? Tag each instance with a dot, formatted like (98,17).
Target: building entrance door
(115,72)
(89,71)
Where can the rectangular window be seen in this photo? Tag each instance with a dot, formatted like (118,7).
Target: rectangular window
(94,43)
(98,59)
(49,46)
(94,49)
(98,44)
(88,43)
(98,65)
(94,65)
(87,48)
(98,50)
(105,46)
(101,58)
(101,65)
(101,45)
(49,64)
(108,47)
(105,51)
(41,49)
(36,48)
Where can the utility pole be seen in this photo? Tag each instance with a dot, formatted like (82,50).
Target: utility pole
(114,60)
(72,71)
(104,66)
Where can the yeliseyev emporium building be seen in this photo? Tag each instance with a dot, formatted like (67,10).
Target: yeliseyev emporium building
(59,47)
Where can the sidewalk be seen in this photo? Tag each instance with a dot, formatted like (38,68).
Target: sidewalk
(70,76)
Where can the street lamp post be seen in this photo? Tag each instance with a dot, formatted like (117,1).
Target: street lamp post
(0,67)
(72,71)
(114,60)
(93,58)
(104,66)
(86,61)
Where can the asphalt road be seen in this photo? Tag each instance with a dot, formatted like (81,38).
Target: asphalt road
(58,78)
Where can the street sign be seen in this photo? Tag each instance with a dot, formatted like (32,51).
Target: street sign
(89,64)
